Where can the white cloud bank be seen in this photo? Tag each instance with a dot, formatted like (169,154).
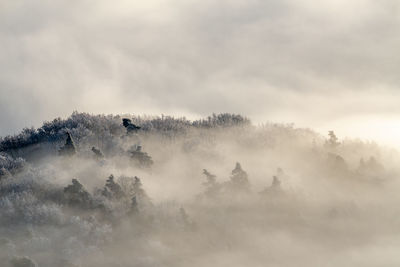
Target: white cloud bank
(314,63)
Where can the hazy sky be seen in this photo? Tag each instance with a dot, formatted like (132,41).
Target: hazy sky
(331,64)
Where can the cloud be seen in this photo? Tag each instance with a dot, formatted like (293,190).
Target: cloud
(297,61)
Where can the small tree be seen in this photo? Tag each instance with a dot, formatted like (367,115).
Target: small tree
(76,195)
(332,142)
(239,179)
(141,159)
(274,188)
(130,127)
(97,153)
(69,148)
(139,198)
(112,189)
(212,187)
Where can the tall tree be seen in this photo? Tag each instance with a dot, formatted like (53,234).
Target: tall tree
(69,148)
(239,179)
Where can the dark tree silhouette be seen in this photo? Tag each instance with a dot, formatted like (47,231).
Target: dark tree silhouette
(69,148)
(130,127)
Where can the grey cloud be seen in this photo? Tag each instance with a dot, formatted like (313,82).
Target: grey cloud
(295,60)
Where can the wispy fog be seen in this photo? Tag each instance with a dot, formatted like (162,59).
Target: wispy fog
(158,191)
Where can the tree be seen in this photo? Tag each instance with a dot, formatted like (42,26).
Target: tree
(76,195)
(239,179)
(212,187)
(274,188)
(130,127)
(332,142)
(337,164)
(140,194)
(112,190)
(97,153)
(9,165)
(133,189)
(134,206)
(69,148)
(141,159)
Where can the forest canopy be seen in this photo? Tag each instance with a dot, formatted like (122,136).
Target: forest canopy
(126,190)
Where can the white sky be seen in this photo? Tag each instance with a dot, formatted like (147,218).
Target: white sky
(330,64)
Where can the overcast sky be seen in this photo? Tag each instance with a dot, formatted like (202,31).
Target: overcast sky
(322,64)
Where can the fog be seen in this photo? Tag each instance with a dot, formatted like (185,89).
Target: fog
(306,176)
(307,62)
(219,191)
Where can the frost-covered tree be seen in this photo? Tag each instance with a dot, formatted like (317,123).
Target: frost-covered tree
(112,190)
(9,165)
(141,159)
(76,195)
(133,189)
(138,189)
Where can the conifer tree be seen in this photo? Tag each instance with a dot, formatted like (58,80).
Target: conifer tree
(76,195)
(69,148)
(112,189)
(239,179)
(141,159)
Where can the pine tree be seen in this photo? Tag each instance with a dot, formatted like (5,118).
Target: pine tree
(239,179)
(69,148)
(274,188)
(76,195)
(112,189)
(141,159)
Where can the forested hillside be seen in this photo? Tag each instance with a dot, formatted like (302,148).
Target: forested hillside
(125,190)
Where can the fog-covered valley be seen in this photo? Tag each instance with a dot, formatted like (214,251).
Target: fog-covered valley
(124,190)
